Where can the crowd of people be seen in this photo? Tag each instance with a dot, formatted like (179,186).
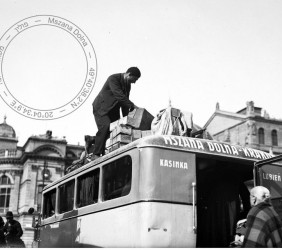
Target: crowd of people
(10,232)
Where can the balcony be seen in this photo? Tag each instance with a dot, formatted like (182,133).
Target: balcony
(9,153)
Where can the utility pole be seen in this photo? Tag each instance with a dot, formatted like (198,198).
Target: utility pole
(45,166)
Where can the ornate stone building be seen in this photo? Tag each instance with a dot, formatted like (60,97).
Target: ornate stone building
(250,126)
(25,170)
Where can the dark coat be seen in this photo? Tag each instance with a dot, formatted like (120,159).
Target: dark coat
(14,233)
(2,237)
(114,92)
(263,227)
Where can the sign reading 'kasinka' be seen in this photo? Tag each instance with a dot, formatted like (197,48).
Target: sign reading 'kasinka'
(139,119)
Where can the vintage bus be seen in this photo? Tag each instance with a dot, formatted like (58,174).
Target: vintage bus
(158,191)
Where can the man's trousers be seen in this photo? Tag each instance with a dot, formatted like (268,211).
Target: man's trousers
(103,125)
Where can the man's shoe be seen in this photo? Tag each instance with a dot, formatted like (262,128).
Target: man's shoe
(89,141)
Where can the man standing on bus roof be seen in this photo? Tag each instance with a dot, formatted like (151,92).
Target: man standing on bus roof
(106,106)
(263,226)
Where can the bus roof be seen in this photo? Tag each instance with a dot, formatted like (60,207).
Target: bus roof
(180,143)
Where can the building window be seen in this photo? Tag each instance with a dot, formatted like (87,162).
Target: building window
(5,192)
(261,135)
(117,178)
(274,138)
(88,188)
(66,197)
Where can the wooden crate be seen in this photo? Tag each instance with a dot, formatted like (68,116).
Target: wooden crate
(115,146)
(121,129)
(146,133)
(139,119)
(136,134)
(122,138)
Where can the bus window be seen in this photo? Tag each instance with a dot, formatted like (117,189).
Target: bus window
(66,197)
(87,188)
(117,178)
(49,203)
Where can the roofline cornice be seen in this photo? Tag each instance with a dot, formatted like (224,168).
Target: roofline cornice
(31,155)
(8,139)
(46,140)
(75,146)
(268,120)
(21,160)
(229,128)
(225,114)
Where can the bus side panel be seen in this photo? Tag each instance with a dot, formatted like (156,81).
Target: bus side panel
(113,227)
(116,227)
(47,233)
(59,234)
(167,225)
(167,175)
(143,224)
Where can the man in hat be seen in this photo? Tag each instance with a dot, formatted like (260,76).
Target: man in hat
(106,106)
(13,231)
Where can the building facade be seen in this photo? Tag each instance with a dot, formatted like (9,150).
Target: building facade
(250,126)
(24,171)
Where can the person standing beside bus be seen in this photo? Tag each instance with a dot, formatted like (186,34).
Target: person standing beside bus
(106,106)
(2,235)
(13,232)
(263,226)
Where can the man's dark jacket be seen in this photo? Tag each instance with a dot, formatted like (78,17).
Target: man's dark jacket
(14,233)
(114,92)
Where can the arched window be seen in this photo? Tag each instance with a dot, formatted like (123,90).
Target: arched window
(261,135)
(274,138)
(5,190)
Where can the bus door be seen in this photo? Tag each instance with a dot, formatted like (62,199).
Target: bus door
(268,173)
(169,181)
(222,198)
(176,175)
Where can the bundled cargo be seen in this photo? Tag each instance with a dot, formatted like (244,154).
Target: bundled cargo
(114,146)
(121,129)
(129,128)
(125,134)
(146,133)
(172,121)
(122,135)
(136,134)
(122,138)
(139,119)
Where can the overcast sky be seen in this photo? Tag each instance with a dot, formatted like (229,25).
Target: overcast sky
(194,52)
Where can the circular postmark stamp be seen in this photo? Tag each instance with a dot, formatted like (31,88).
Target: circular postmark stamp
(83,88)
